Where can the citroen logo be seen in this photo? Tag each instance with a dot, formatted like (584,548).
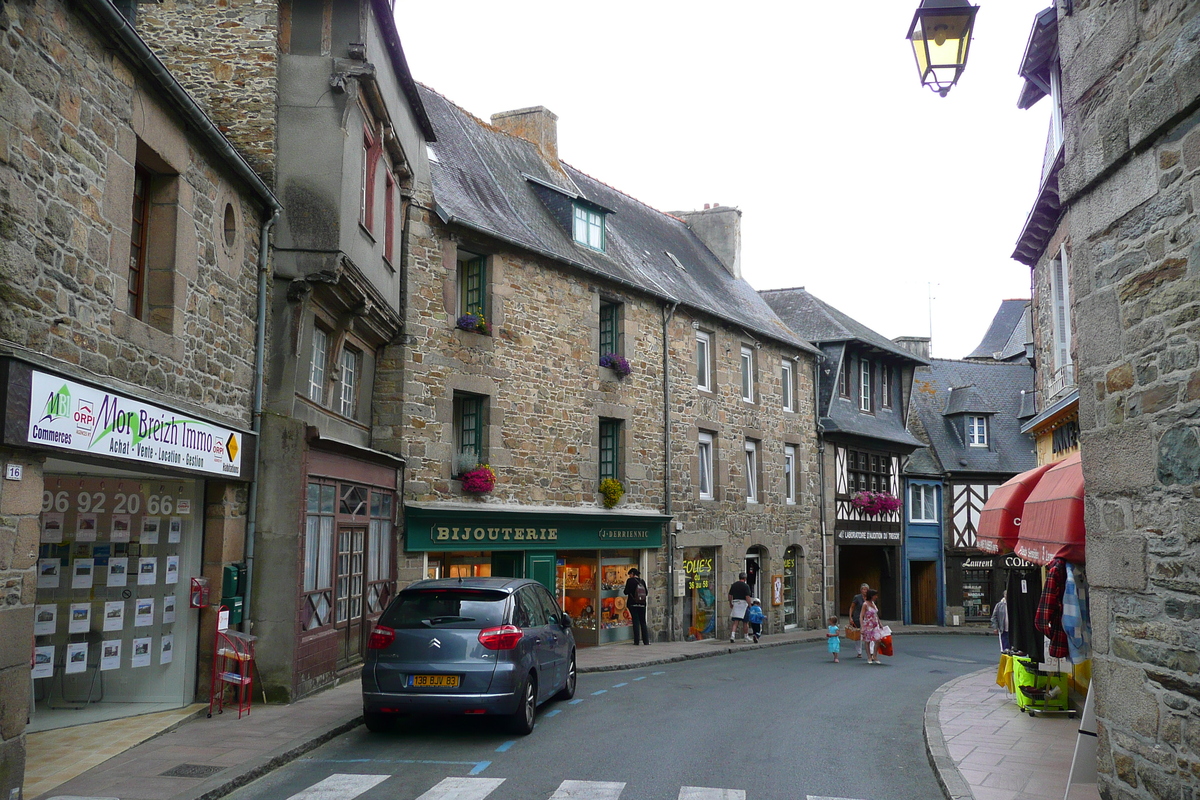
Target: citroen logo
(435,643)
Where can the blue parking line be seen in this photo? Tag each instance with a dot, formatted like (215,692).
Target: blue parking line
(619,685)
(575,702)
(480,767)
(640,678)
(658,673)
(505,746)
(602,691)
(552,713)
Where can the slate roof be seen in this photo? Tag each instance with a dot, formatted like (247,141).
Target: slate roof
(967,400)
(1000,386)
(500,185)
(1006,336)
(818,322)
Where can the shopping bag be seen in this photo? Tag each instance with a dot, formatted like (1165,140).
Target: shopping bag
(885,630)
(853,634)
(885,646)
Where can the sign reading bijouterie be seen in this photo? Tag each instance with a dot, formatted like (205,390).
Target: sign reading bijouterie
(433,528)
(84,419)
(868,537)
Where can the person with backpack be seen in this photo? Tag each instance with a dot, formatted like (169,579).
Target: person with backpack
(636,591)
(755,616)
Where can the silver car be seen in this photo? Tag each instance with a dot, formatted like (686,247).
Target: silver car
(489,646)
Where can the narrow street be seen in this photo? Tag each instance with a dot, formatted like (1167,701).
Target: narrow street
(782,722)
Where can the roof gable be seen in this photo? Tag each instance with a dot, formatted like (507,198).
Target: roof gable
(817,321)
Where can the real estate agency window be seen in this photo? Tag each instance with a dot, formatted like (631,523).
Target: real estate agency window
(868,472)
(317,365)
(787,382)
(610,449)
(704,465)
(789,474)
(864,384)
(468,432)
(748,374)
(610,328)
(885,385)
(472,285)
(922,503)
(752,471)
(704,360)
(351,367)
(977,431)
(318,556)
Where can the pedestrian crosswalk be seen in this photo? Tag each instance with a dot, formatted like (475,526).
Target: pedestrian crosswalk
(343,786)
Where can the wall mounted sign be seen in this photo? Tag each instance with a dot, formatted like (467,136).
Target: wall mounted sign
(485,529)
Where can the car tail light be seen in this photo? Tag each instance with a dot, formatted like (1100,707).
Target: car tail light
(504,637)
(381,637)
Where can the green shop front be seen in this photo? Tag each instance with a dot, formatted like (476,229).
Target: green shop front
(584,558)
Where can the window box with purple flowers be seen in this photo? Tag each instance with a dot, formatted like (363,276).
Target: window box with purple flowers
(475,323)
(875,504)
(617,363)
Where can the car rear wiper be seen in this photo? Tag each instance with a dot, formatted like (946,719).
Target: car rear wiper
(434,620)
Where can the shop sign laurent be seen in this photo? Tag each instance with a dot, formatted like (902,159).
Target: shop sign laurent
(484,529)
(82,419)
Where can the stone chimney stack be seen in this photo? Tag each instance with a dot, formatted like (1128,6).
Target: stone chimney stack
(537,124)
(720,228)
(917,345)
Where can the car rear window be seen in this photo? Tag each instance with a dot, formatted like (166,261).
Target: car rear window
(446,608)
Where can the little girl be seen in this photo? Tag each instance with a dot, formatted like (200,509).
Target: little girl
(831,638)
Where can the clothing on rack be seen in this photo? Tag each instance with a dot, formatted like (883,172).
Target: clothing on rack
(1049,616)
(1076,621)
(1024,590)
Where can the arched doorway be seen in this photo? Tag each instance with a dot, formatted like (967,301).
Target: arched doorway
(758,575)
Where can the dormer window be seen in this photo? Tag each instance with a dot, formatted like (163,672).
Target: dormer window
(589,227)
(977,431)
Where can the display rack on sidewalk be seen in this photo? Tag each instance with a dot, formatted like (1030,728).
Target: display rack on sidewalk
(232,669)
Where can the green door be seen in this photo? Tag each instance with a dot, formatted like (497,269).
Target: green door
(507,564)
(539,565)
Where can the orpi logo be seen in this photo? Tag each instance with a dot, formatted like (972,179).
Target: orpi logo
(85,417)
(218,448)
(58,405)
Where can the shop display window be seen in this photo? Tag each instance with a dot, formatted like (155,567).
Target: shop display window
(700,602)
(975,593)
(791,587)
(616,624)
(577,594)
(468,565)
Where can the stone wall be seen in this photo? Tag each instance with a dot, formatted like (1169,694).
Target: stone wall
(1131,75)
(225,53)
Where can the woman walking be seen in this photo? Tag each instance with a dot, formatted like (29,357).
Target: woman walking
(871,633)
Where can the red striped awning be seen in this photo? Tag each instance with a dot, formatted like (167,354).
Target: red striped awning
(1000,520)
(1052,523)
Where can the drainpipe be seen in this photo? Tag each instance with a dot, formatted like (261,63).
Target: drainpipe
(667,506)
(825,610)
(260,347)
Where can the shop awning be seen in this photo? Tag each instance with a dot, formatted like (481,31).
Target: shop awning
(1052,523)
(1000,520)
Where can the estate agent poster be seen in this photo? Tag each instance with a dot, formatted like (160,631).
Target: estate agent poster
(110,655)
(143,616)
(141,652)
(147,571)
(48,569)
(149,530)
(168,609)
(45,620)
(82,576)
(85,528)
(43,662)
(121,523)
(76,657)
(81,618)
(167,652)
(118,571)
(175,529)
(114,615)
(172,569)
(52,528)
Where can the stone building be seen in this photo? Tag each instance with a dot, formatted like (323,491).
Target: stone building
(1117,225)
(562,334)
(130,251)
(863,396)
(341,134)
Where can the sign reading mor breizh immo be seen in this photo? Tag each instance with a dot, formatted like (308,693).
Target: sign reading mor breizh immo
(75,417)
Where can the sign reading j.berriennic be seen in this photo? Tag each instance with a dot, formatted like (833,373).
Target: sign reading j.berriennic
(72,416)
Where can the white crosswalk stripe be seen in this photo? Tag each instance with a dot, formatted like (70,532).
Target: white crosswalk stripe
(704,793)
(340,786)
(588,790)
(462,789)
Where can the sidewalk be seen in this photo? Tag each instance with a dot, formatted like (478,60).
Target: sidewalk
(203,759)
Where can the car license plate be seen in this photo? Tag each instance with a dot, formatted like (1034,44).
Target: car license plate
(433,681)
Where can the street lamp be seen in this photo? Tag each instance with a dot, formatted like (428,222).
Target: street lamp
(941,35)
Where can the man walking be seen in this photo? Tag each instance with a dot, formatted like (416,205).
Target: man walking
(636,591)
(739,603)
(855,612)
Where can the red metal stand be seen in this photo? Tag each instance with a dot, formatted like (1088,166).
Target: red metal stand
(233,665)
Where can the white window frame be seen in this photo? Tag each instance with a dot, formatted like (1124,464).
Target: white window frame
(704,461)
(788,380)
(588,228)
(1056,110)
(977,431)
(925,509)
(317,365)
(864,384)
(704,360)
(885,385)
(789,474)
(751,471)
(348,372)
(748,374)
(1060,293)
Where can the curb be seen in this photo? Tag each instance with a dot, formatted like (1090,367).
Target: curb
(954,785)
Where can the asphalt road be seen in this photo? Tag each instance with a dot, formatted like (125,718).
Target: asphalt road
(781,722)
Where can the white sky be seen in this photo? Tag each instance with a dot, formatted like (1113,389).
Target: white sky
(854,181)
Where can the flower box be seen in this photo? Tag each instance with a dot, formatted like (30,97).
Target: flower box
(875,504)
(480,480)
(612,491)
(617,363)
(475,323)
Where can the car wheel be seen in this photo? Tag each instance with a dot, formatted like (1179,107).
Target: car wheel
(522,719)
(377,722)
(568,690)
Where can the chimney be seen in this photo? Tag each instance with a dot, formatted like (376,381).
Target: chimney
(537,124)
(720,228)
(917,345)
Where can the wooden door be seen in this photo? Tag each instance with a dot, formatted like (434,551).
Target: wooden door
(349,593)
(923,592)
